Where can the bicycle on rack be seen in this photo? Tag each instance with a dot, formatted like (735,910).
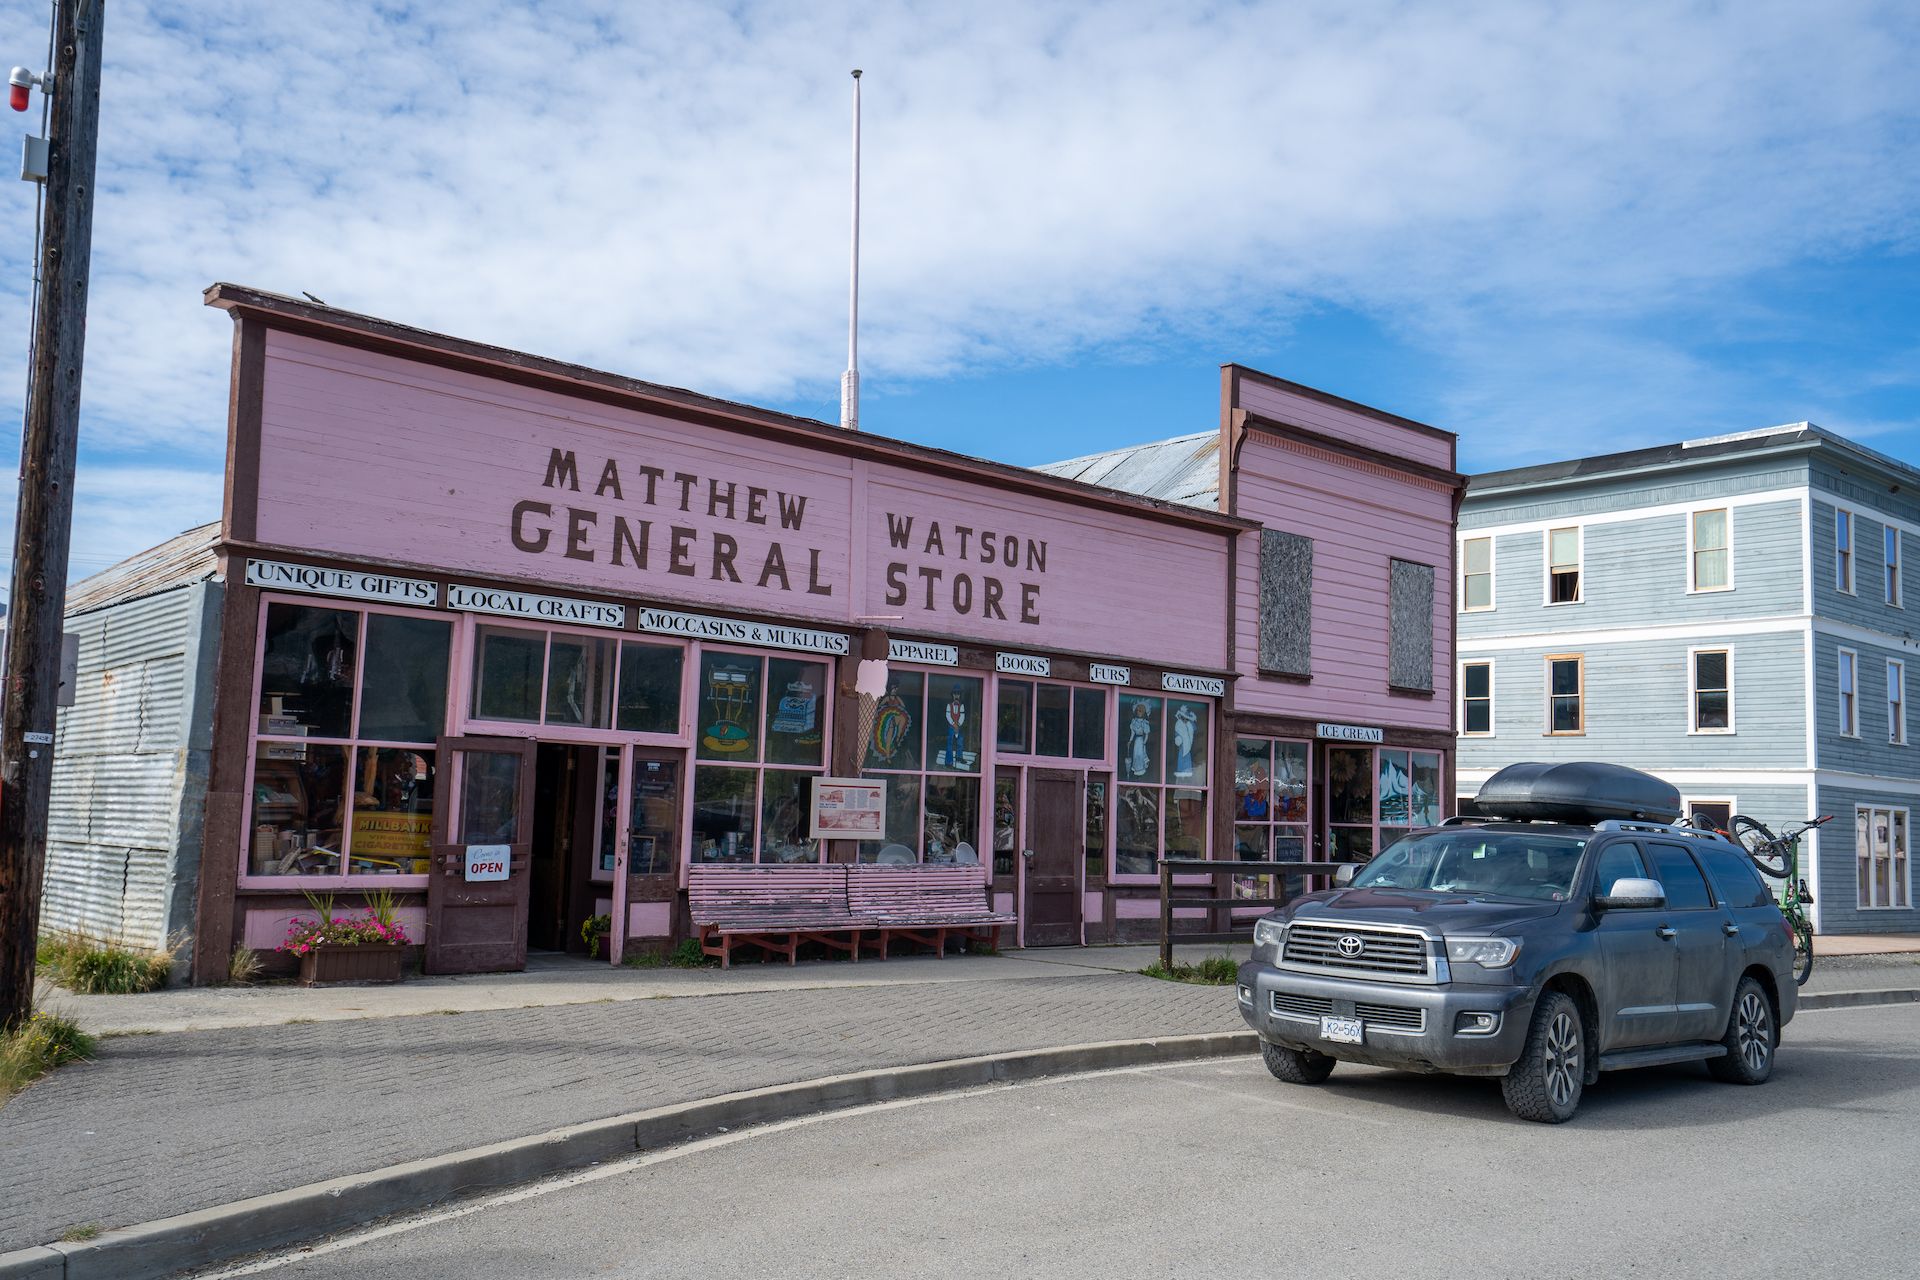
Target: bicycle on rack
(1779,856)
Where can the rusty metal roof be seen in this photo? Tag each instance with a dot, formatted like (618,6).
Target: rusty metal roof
(182,559)
(1185,469)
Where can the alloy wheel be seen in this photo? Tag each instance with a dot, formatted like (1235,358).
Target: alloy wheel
(1562,1065)
(1754,1032)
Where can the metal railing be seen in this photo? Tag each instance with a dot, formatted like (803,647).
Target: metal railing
(1171,867)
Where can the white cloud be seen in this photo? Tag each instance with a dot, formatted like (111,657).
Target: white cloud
(661,189)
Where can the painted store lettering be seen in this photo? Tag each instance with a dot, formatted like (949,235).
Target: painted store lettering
(959,593)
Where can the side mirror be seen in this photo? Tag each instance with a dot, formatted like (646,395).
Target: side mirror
(1631,893)
(1344,876)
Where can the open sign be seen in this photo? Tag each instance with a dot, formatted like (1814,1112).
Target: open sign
(488,861)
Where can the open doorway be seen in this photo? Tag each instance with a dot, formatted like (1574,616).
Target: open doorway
(565,813)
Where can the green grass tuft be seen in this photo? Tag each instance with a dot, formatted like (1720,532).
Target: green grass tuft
(80,1234)
(1214,971)
(47,1041)
(90,967)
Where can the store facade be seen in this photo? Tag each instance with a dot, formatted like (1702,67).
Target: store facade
(520,643)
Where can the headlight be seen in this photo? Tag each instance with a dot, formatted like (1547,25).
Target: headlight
(1492,953)
(1268,933)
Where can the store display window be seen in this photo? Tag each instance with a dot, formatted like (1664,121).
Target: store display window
(351,702)
(925,743)
(1272,815)
(760,737)
(1162,750)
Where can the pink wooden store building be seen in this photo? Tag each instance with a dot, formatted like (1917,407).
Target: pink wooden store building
(473,598)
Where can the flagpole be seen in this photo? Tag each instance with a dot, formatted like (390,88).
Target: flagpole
(850,380)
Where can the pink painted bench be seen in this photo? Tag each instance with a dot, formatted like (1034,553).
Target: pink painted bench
(923,904)
(773,908)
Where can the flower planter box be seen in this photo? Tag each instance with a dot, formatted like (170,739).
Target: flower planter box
(366,963)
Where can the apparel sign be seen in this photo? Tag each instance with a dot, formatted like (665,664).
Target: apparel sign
(938,655)
(1022,664)
(488,861)
(1349,733)
(734,631)
(1206,686)
(351,584)
(523,604)
(1107,673)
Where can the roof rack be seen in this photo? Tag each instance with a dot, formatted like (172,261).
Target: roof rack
(1660,828)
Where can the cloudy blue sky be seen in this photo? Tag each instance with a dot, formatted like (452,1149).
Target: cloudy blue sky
(1555,228)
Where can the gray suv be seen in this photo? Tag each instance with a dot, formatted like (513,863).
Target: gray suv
(1542,953)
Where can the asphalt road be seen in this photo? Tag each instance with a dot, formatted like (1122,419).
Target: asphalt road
(1216,1169)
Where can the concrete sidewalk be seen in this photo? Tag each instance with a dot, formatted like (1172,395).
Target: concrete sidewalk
(167,1123)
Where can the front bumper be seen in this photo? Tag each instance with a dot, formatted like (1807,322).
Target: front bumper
(1415,1027)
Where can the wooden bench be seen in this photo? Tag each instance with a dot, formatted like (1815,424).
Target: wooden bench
(773,908)
(923,904)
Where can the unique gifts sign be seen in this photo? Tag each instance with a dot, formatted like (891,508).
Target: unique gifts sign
(349,584)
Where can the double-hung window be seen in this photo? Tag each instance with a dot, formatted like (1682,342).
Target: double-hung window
(1563,566)
(1896,703)
(1892,540)
(1711,674)
(1880,852)
(1843,551)
(1849,683)
(1476,574)
(1566,694)
(1476,698)
(1710,558)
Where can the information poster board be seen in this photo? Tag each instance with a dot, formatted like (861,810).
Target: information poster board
(848,809)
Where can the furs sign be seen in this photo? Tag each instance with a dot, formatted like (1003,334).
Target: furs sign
(629,517)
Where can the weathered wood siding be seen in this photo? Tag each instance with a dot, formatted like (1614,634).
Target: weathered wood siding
(369,455)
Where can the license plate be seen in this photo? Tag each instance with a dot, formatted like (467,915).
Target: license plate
(1342,1030)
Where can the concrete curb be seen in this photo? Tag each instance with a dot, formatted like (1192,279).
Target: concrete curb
(1840,1000)
(167,1246)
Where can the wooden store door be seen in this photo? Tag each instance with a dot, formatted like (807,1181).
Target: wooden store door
(477,885)
(1056,803)
(646,840)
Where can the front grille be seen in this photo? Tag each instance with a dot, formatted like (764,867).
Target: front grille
(1289,1005)
(1390,1017)
(1383,953)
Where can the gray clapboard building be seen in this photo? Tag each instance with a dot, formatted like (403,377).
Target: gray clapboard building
(1736,614)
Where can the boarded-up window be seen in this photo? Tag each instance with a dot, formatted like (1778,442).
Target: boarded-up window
(1410,626)
(1286,603)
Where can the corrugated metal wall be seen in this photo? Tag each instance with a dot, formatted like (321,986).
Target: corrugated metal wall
(123,758)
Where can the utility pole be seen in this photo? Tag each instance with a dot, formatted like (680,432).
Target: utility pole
(850,380)
(44,525)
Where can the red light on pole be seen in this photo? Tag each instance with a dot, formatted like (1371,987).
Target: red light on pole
(21,83)
(18,98)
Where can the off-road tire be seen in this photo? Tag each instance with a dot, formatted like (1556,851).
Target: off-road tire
(1295,1066)
(1753,1034)
(1546,1083)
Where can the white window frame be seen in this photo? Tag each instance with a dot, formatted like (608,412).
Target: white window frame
(1547,671)
(1693,585)
(1579,533)
(1897,702)
(1848,663)
(1493,724)
(1493,577)
(1843,558)
(1693,690)
(1865,887)
(1890,548)
(1687,803)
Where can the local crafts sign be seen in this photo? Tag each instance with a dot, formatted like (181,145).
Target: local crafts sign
(525,604)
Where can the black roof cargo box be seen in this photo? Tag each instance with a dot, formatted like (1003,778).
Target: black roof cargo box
(1581,792)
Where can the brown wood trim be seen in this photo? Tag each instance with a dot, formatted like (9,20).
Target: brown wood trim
(1340,402)
(216,909)
(245,394)
(1358,452)
(374,334)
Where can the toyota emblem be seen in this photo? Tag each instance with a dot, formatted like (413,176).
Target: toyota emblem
(1351,946)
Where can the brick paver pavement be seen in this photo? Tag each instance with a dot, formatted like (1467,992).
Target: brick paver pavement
(164,1124)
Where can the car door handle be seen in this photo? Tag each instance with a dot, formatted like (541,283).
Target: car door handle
(1730,929)
(1665,931)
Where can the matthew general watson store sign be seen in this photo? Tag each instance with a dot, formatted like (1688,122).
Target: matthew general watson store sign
(477,598)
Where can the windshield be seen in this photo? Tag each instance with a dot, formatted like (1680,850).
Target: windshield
(1507,864)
